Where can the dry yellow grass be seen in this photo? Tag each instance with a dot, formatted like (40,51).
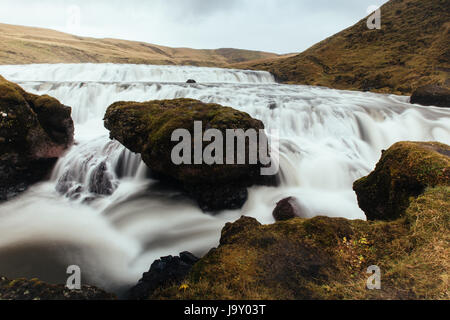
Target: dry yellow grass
(24,45)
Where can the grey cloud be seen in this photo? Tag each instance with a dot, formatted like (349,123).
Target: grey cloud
(270,25)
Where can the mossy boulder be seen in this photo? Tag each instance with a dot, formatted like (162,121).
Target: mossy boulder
(432,95)
(34,289)
(34,132)
(403,173)
(147,128)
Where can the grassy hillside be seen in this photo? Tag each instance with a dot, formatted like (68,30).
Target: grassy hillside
(411,49)
(23,45)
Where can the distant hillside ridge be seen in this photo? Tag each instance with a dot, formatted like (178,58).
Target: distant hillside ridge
(411,49)
(26,45)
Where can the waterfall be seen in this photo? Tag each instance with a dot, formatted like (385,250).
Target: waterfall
(107,216)
(130,73)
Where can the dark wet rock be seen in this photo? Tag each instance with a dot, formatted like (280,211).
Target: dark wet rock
(75,193)
(404,172)
(69,186)
(34,132)
(210,199)
(89,200)
(432,95)
(273,106)
(191,81)
(101,181)
(65,182)
(287,209)
(34,289)
(146,128)
(166,271)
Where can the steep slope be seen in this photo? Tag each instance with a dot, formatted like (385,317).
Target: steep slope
(410,50)
(23,45)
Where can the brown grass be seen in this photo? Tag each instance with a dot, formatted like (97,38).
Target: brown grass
(412,49)
(24,45)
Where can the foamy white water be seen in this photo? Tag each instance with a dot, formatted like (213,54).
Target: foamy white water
(329,138)
(130,73)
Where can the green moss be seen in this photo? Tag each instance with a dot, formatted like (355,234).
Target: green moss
(156,120)
(19,118)
(327,231)
(404,171)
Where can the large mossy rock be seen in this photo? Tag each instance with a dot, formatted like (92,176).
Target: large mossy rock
(404,172)
(34,289)
(432,95)
(147,128)
(34,132)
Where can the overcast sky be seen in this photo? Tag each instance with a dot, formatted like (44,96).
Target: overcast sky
(281,26)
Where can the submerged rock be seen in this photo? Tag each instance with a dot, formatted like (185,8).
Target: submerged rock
(432,95)
(34,132)
(404,171)
(273,105)
(101,181)
(34,289)
(166,271)
(147,128)
(98,181)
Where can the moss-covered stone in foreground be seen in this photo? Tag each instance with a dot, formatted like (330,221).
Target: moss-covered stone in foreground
(404,171)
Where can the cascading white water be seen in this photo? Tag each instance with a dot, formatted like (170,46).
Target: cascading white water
(130,73)
(328,139)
